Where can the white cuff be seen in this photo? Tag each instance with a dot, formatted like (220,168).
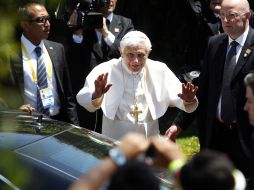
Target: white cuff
(77,38)
(110,39)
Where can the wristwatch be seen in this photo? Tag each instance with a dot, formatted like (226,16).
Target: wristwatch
(117,156)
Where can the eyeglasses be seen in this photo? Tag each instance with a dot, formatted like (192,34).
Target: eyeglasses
(42,19)
(230,16)
(139,56)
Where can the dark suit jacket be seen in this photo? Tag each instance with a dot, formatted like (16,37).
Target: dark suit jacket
(252,19)
(203,27)
(56,52)
(210,88)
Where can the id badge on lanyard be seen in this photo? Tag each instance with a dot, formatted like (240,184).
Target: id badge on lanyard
(47,97)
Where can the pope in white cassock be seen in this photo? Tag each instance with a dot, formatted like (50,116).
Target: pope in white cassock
(134,91)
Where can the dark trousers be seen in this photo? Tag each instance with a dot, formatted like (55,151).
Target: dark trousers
(90,120)
(226,138)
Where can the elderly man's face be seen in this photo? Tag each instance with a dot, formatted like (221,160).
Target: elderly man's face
(234,20)
(135,57)
(249,105)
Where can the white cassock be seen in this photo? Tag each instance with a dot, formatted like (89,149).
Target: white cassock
(152,90)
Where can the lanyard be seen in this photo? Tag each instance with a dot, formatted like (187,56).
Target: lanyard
(34,74)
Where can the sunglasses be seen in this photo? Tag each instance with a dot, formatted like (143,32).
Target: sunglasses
(42,19)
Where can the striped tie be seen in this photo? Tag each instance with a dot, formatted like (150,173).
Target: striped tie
(41,80)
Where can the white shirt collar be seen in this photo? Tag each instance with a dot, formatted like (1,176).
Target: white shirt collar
(29,45)
(110,17)
(241,39)
(216,15)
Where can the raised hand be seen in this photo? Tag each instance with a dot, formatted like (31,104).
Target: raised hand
(188,92)
(101,86)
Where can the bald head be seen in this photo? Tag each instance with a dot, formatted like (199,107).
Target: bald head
(240,5)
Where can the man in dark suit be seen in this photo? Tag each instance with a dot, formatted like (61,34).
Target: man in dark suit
(230,135)
(40,71)
(89,47)
(206,24)
(249,108)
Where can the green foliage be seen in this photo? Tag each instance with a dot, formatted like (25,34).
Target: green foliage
(189,145)
(11,166)
(13,170)
(7,33)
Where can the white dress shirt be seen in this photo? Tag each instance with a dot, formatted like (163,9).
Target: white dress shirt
(30,66)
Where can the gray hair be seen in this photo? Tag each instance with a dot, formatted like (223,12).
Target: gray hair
(246,6)
(24,13)
(135,38)
(249,81)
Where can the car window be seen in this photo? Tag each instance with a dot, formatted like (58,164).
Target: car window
(15,133)
(73,151)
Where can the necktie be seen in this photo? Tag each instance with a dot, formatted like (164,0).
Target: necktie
(41,80)
(108,22)
(228,112)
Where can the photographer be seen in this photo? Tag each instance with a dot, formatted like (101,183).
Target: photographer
(91,46)
(127,167)
(117,167)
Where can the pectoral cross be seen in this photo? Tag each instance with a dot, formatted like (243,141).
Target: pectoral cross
(135,112)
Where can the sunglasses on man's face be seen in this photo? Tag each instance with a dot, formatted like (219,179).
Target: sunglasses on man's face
(42,19)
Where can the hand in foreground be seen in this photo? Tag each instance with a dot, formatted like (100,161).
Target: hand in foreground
(188,92)
(173,132)
(101,86)
(27,108)
(166,151)
(133,144)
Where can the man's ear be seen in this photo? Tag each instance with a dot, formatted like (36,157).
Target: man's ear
(120,50)
(23,25)
(148,53)
(248,15)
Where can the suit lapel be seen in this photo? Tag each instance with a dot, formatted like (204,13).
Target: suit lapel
(54,60)
(217,68)
(115,25)
(97,49)
(221,61)
(244,55)
(17,69)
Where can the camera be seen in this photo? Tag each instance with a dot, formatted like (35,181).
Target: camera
(85,14)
